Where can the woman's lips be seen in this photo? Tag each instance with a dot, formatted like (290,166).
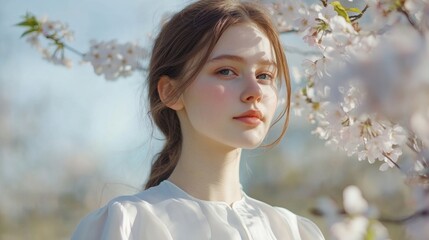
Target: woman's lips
(252,121)
(251,117)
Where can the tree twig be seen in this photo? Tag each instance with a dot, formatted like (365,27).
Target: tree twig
(73,50)
(356,17)
(390,159)
(412,217)
(409,18)
(57,41)
(288,31)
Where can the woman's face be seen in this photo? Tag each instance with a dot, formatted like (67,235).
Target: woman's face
(233,98)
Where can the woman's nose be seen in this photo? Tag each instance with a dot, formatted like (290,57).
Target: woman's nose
(252,92)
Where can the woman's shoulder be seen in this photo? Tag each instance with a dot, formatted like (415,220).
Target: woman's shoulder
(117,218)
(129,205)
(307,228)
(302,226)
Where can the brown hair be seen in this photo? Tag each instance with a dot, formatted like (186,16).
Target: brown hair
(192,33)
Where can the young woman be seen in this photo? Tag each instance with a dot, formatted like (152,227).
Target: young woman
(214,80)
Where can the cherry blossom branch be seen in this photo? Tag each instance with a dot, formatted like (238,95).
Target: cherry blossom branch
(356,17)
(416,145)
(412,217)
(61,44)
(288,31)
(421,213)
(390,160)
(109,58)
(409,18)
(73,50)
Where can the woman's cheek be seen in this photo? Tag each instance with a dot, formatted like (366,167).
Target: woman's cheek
(270,102)
(217,94)
(271,95)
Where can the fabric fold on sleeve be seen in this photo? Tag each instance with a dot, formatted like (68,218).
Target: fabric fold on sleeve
(303,228)
(124,218)
(109,222)
(308,230)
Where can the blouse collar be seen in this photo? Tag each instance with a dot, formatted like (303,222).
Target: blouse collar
(177,191)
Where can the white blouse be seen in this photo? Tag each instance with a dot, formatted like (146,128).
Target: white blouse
(167,212)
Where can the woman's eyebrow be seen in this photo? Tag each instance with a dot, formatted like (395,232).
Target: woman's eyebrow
(242,60)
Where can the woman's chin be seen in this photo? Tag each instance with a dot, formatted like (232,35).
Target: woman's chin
(251,144)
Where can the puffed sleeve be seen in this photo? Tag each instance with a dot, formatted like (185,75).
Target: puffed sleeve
(110,222)
(123,218)
(302,228)
(308,230)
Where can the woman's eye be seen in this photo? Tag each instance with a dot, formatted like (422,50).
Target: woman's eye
(226,72)
(265,76)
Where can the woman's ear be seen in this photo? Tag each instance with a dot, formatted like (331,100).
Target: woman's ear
(166,87)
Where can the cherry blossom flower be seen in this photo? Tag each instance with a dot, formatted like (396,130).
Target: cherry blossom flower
(284,14)
(350,229)
(358,84)
(56,28)
(109,58)
(359,220)
(114,60)
(312,38)
(327,13)
(419,9)
(43,28)
(304,21)
(342,35)
(351,138)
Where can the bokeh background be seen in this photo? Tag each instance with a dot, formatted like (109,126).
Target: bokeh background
(70,140)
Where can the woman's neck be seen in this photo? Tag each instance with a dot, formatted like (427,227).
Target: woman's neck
(208,172)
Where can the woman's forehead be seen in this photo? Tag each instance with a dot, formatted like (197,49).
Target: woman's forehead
(245,41)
